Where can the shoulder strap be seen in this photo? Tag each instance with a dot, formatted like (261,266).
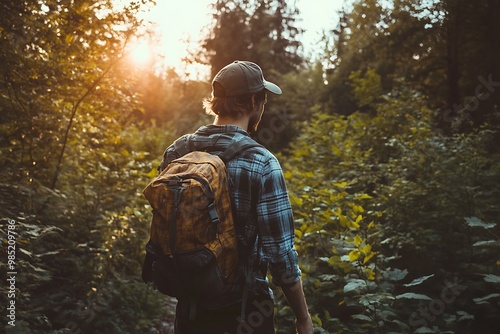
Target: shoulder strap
(182,146)
(185,145)
(237,146)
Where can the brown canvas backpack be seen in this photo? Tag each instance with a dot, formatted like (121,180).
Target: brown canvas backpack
(192,252)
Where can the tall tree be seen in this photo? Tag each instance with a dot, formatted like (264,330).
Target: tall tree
(471,33)
(262,31)
(356,47)
(445,49)
(229,38)
(274,35)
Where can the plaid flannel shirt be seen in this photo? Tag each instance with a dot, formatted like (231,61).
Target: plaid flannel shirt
(261,203)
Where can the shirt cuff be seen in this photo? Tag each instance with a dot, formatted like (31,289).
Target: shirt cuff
(287,272)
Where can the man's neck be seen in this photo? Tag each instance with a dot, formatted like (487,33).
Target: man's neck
(241,122)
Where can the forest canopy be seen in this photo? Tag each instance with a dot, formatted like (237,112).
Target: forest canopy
(389,142)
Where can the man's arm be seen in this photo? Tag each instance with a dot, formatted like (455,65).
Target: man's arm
(297,301)
(277,236)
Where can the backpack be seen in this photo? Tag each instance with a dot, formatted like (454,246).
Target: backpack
(193,250)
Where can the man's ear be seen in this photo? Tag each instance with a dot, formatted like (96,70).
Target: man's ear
(253,101)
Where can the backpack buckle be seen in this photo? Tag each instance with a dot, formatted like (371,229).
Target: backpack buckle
(214,218)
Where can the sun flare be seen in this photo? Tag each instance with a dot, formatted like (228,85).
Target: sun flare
(173,34)
(140,53)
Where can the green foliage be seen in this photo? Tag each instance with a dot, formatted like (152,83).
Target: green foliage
(394,217)
(366,89)
(440,48)
(172,101)
(371,195)
(302,96)
(85,245)
(71,69)
(74,167)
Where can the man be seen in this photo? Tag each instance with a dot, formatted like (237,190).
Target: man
(262,209)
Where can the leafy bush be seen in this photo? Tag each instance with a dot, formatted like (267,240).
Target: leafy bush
(379,202)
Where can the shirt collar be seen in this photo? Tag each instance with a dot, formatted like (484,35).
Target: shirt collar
(216,129)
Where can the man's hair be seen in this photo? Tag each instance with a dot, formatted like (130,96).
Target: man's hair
(232,106)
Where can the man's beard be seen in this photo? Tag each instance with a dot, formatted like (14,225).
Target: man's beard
(253,123)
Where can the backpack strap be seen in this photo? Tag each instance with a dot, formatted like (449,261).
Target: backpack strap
(177,187)
(236,146)
(184,145)
(247,271)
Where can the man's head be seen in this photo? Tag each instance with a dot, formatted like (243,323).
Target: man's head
(239,89)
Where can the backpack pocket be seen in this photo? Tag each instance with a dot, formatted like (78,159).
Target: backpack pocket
(191,274)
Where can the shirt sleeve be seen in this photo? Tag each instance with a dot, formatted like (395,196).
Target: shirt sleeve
(276,227)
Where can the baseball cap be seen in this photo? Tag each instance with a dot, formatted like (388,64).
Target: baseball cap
(242,78)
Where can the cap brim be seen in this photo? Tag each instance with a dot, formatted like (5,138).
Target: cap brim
(273,88)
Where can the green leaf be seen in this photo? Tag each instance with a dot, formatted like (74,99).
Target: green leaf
(419,280)
(401,324)
(370,274)
(362,317)
(24,251)
(362,196)
(395,274)
(152,173)
(341,185)
(369,257)
(465,316)
(483,300)
(326,277)
(370,298)
(476,222)
(356,285)
(491,278)
(317,320)
(486,243)
(386,314)
(354,255)
(298,233)
(424,330)
(40,274)
(357,240)
(410,295)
